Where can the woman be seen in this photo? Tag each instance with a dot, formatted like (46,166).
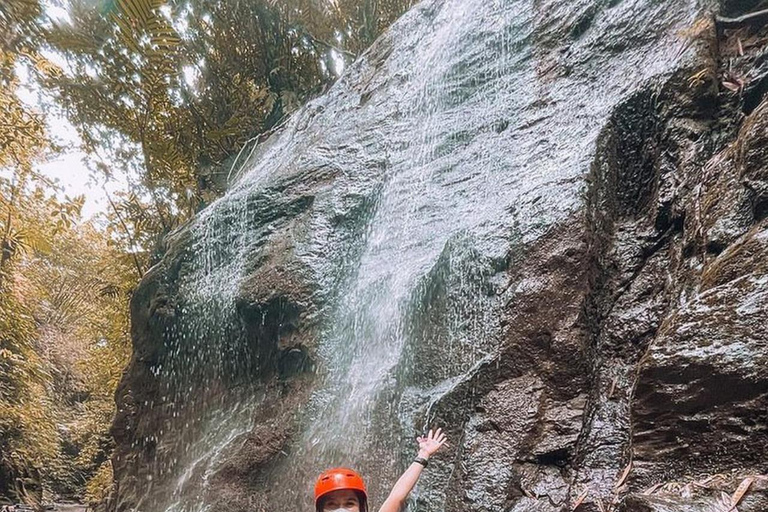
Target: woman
(343,490)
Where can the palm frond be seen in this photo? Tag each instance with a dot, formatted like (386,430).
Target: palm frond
(143,28)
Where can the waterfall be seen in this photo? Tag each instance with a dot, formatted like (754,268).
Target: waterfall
(404,193)
(433,214)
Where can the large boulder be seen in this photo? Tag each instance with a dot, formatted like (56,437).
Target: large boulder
(538,224)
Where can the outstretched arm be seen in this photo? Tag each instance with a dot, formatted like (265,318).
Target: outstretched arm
(427,446)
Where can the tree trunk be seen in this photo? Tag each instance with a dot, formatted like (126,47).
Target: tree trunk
(7,250)
(370,23)
(127,232)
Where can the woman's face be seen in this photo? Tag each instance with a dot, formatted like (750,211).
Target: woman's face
(343,499)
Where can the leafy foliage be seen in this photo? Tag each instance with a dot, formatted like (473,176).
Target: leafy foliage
(98,488)
(64,342)
(22,132)
(173,89)
(27,433)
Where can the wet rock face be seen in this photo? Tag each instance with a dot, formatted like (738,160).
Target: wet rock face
(710,493)
(702,384)
(559,253)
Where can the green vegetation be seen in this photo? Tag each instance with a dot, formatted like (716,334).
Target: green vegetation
(163,94)
(63,341)
(170,90)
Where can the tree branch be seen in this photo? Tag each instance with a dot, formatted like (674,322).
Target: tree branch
(127,232)
(305,33)
(746,19)
(5,248)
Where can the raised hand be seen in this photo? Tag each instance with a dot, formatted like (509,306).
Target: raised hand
(427,446)
(431,443)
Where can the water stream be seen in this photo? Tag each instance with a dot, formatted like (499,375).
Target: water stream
(431,210)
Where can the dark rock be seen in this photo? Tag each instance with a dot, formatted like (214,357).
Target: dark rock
(703,386)
(713,493)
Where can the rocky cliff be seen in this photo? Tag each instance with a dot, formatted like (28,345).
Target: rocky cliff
(541,225)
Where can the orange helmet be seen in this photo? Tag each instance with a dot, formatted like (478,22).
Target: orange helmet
(336,479)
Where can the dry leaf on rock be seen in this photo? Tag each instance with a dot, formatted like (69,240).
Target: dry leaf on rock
(580,499)
(741,490)
(624,475)
(652,489)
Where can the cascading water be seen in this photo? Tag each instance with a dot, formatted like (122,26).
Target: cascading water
(405,193)
(418,216)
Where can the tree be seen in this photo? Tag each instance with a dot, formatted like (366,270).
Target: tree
(64,340)
(22,133)
(80,291)
(173,89)
(28,436)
